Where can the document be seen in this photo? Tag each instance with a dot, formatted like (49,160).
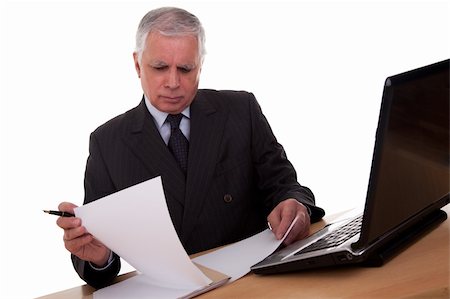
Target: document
(141,287)
(135,223)
(236,259)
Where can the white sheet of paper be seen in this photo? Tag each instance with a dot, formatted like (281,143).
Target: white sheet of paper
(236,259)
(233,260)
(135,223)
(139,287)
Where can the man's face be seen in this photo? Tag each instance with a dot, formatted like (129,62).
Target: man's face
(169,71)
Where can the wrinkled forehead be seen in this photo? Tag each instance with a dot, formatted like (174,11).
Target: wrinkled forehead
(179,49)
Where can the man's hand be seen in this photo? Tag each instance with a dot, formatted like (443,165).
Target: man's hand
(282,216)
(78,241)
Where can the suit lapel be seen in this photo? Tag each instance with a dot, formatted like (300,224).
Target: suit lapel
(184,197)
(146,143)
(207,125)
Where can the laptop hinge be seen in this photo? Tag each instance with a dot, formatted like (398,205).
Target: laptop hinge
(404,239)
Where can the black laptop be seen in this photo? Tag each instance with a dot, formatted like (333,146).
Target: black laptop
(408,185)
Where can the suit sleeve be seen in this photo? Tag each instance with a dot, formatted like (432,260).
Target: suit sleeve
(97,184)
(276,176)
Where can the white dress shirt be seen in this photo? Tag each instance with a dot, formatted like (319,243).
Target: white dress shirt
(159,118)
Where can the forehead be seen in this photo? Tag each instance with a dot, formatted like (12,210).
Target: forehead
(183,48)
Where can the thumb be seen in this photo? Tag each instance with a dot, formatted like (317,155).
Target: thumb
(67,207)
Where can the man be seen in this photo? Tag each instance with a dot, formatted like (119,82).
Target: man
(235,177)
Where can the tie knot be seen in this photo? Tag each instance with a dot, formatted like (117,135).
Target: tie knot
(174,120)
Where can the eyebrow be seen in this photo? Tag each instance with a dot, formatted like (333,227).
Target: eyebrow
(187,66)
(159,63)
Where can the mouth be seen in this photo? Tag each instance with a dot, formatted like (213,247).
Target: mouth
(172,99)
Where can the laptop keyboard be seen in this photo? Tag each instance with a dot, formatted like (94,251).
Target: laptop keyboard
(336,237)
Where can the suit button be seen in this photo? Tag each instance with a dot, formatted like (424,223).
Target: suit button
(227,198)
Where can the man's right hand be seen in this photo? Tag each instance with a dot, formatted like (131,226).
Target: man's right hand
(78,241)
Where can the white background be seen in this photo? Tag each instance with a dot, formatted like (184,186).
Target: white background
(317,69)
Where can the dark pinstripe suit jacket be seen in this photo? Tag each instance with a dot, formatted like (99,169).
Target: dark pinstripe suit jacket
(237,172)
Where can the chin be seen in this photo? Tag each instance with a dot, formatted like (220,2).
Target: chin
(171,108)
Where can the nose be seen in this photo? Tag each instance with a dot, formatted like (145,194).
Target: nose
(173,79)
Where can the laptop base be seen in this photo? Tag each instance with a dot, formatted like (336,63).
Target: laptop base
(376,259)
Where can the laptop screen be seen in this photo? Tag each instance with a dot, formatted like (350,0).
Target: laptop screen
(410,167)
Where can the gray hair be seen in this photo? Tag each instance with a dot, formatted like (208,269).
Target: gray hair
(170,21)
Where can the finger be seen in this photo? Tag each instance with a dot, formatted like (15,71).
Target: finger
(71,234)
(287,217)
(68,222)
(274,219)
(67,207)
(299,230)
(75,245)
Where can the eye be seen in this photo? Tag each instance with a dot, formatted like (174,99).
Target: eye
(184,70)
(159,67)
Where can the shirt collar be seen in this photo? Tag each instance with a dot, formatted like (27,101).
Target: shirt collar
(159,116)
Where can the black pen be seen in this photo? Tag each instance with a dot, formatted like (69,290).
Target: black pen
(59,213)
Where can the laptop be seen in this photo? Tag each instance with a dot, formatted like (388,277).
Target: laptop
(408,184)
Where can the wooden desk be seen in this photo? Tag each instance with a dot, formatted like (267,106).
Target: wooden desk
(421,271)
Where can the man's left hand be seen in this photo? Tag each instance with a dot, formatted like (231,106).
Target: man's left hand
(282,216)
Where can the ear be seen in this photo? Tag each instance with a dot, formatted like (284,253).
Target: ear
(136,64)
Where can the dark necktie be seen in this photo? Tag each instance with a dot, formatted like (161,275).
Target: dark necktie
(178,144)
